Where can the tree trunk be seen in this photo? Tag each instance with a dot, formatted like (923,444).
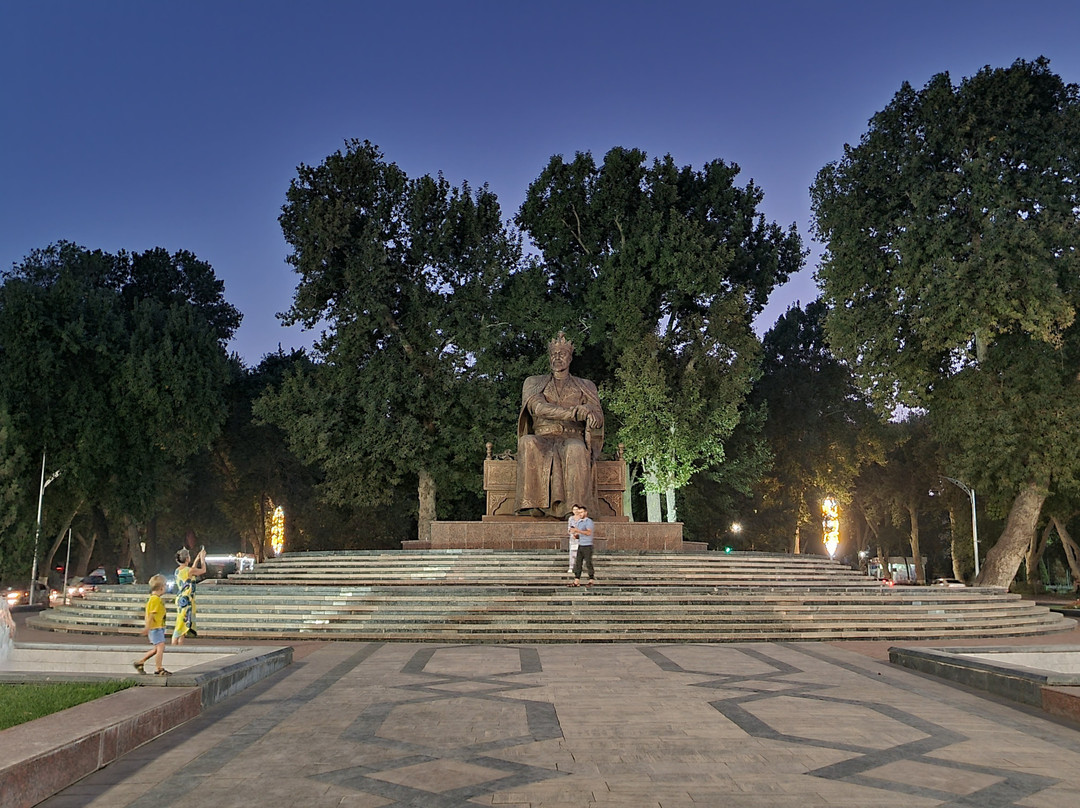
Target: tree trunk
(960,543)
(86,552)
(426,490)
(652,496)
(652,506)
(1035,549)
(133,538)
(1004,558)
(1072,551)
(50,557)
(152,556)
(630,475)
(671,515)
(916,553)
(108,549)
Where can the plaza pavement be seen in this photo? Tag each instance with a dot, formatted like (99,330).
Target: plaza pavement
(766,725)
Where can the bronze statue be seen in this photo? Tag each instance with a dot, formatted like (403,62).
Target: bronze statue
(560,437)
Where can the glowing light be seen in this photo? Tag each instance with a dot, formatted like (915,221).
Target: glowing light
(277,531)
(830,524)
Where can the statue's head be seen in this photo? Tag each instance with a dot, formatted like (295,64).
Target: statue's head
(560,352)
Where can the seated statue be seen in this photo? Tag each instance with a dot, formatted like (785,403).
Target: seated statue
(560,437)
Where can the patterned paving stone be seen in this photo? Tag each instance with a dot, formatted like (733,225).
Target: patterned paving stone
(781,725)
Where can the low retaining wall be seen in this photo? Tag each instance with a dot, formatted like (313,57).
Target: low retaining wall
(1041,676)
(45,756)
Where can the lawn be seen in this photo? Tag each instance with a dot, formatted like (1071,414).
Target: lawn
(25,702)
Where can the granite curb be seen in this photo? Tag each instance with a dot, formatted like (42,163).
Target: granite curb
(47,755)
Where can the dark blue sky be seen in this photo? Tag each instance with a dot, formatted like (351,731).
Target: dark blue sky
(179,124)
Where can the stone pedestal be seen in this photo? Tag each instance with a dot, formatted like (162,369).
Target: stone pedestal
(525,533)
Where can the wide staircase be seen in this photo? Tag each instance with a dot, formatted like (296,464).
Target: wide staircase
(472,596)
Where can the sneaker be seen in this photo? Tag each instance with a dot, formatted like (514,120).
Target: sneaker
(139,667)
(162,672)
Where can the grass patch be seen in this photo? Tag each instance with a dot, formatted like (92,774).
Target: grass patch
(25,702)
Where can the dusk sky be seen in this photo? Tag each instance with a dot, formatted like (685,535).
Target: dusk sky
(137,124)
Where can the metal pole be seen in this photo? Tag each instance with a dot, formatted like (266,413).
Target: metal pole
(974,523)
(67,566)
(974,532)
(37,531)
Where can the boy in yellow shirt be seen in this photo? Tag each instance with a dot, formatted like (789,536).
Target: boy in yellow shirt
(155,626)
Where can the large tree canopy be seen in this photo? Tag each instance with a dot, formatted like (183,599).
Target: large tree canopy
(401,273)
(651,258)
(115,365)
(951,272)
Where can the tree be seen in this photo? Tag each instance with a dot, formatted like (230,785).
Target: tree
(661,269)
(911,472)
(951,257)
(14,548)
(116,365)
(400,273)
(820,430)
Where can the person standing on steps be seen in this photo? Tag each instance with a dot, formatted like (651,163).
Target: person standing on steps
(187,575)
(583,529)
(573,541)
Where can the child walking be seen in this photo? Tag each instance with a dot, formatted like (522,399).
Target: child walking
(155,627)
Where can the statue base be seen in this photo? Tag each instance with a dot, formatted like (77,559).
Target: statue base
(529,533)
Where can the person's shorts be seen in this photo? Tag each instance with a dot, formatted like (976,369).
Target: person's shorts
(156,635)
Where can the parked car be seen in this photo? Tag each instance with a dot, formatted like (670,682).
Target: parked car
(222,566)
(952,583)
(88,584)
(20,596)
(97,578)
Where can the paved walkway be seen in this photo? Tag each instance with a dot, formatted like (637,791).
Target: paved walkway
(773,725)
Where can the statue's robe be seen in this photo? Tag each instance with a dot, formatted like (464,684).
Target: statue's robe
(556,452)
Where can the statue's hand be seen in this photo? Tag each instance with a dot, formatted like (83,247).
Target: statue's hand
(581,413)
(593,422)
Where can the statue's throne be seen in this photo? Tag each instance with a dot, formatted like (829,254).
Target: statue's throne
(500,488)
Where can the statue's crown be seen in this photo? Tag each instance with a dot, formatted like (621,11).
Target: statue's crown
(561,342)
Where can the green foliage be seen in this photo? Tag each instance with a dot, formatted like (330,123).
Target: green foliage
(950,224)
(820,430)
(405,277)
(115,364)
(25,702)
(674,429)
(1015,415)
(660,271)
(953,250)
(15,546)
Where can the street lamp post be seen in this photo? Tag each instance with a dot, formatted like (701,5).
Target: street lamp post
(37,531)
(974,524)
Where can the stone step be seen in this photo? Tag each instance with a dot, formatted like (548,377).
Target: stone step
(487,596)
